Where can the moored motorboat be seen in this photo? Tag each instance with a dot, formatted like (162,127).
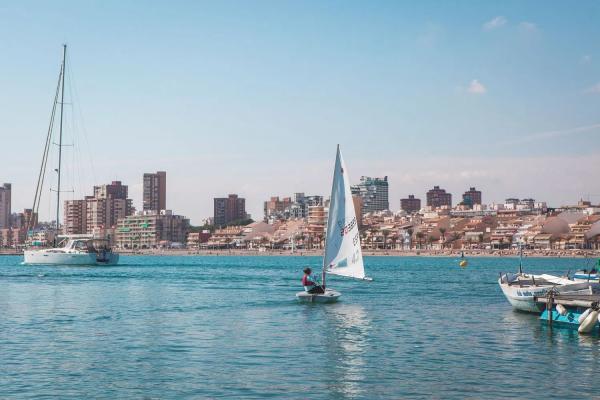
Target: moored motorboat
(521,289)
(586,276)
(578,311)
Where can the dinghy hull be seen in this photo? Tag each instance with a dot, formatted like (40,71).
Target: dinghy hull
(330,296)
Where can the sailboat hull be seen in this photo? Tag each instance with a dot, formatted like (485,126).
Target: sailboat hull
(330,296)
(46,257)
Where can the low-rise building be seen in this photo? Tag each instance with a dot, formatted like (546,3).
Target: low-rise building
(12,237)
(195,239)
(151,229)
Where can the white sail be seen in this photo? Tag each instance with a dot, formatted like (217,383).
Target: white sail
(343,255)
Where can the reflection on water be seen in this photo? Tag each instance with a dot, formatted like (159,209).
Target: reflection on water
(230,327)
(347,342)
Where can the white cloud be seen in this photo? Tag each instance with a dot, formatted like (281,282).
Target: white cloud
(476,87)
(552,134)
(595,89)
(494,23)
(586,59)
(430,36)
(528,26)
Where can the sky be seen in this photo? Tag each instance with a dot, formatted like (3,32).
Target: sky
(251,97)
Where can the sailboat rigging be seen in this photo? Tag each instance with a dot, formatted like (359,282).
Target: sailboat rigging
(79,249)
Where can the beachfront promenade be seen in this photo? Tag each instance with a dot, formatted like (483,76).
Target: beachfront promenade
(366,252)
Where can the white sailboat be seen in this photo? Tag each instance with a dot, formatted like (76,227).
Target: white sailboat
(75,249)
(343,255)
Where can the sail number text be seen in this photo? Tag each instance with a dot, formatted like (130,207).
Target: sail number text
(347,228)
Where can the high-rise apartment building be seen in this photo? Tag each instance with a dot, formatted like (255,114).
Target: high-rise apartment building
(286,208)
(437,197)
(5,200)
(75,217)
(358,206)
(31,218)
(374,193)
(410,205)
(277,208)
(229,209)
(118,205)
(472,197)
(97,213)
(115,189)
(317,221)
(100,211)
(302,203)
(155,191)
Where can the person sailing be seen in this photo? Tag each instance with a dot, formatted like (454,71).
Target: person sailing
(310,283)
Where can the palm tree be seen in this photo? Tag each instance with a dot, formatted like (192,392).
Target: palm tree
(385,233)
(394,239)
(363,238)
(431,238)
(420,235)
(443,236)
(372,232)
(410,233)
(454,237)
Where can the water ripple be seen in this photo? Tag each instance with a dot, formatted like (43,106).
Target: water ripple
(230,327)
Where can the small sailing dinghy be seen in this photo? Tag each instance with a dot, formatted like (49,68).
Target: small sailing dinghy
(343,255)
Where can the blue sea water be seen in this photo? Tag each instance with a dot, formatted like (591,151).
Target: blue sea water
(229,327)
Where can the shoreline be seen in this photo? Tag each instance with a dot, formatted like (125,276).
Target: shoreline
(376,253)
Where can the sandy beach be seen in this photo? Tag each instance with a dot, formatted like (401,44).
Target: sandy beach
(366,252)
(382,253)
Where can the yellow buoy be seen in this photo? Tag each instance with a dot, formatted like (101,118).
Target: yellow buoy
(463,263)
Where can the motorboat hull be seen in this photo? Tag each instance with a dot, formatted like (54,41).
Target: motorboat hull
(581,277)
(330,296)
(522,298)
(50,257)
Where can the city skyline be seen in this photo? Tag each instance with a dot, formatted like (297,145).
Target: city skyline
(246,99)
(71,207)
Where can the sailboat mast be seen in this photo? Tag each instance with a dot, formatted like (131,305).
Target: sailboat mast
(520,258)
(60,134)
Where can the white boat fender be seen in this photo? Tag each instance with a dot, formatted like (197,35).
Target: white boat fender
(583,316)
(561,309)
(589,323)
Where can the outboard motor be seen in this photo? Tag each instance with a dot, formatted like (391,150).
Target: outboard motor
(101,256)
